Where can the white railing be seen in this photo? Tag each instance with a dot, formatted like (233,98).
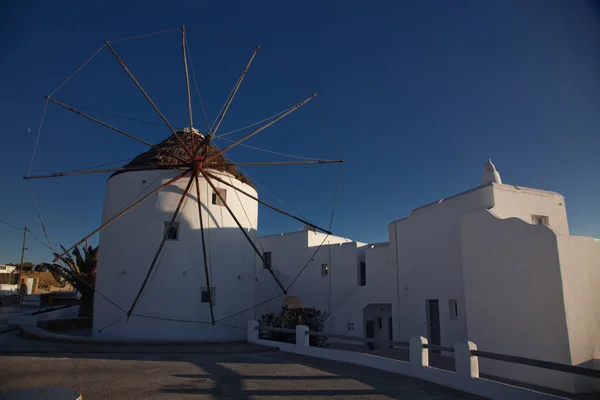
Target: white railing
(466,378)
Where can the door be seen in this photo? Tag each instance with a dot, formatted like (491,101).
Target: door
(390,331)
(370,333)
(433,323)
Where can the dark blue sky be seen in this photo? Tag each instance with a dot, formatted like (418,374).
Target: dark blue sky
(418,95)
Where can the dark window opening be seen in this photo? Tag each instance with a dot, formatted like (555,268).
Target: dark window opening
(267,260)
(216,200)
(453,309)
(171,231)
(362,281)
(207,295)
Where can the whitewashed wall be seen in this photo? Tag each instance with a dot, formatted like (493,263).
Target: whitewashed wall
(514,296)
(519,202)
(291,252)
(128,245)
(427,252)
(380,288)
(580,273)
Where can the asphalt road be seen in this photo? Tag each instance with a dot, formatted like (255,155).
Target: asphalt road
(257,375)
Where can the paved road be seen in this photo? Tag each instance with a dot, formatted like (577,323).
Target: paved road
(257,375)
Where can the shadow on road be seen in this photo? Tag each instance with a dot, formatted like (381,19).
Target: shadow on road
(239,370)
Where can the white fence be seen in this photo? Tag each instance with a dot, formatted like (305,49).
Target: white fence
(466,378)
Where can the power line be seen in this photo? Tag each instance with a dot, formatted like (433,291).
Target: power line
(36,238)
(11,225)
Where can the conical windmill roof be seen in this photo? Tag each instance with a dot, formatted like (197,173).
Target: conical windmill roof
(154,157)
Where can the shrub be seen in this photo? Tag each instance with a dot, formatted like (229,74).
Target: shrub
(291,317)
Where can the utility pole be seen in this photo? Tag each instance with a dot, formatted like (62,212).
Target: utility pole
(22,257)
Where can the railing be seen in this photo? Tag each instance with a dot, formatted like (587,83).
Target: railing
(438,347)
(572,369)
(473,352)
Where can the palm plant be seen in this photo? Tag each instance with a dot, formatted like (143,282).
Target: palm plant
(78,269)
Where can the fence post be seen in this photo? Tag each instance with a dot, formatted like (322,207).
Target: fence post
(252,334)
(419,355)
(302,337)
(466,364)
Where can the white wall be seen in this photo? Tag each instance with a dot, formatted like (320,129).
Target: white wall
(514,298)
(580,273)
(466,378)
(427,252)
(291,252)
(128,246)
(519,202)
(7,269)
(380,288)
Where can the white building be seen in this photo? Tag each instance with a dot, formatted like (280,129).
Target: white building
(495,265)
(7,269)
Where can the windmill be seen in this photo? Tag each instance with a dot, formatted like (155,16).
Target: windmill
(178,248)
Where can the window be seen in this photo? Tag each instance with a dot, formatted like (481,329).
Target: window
(206,296)
(216,200)
(362,274)
(539,220)
(267,258)
(453,304)
(379,323)
(324,270)
(171,231)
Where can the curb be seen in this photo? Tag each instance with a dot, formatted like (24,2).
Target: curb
(133,346)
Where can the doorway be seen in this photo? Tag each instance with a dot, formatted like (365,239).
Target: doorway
(433,323)
(376,318)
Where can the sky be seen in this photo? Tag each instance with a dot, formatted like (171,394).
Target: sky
(416,94)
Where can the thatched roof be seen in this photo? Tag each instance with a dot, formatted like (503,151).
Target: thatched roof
(159,159)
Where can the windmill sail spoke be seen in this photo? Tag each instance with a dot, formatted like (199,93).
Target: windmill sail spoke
(162,244)
(208,286)
(112,127)
(212,185)
(248,136)
(225,107)
(122,63)
(97,171)
(262,164)
(187,82)
(123,212)
(266,204)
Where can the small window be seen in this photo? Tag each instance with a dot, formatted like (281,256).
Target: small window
(216,200)
(324,269)
(453,309)
(362,276)
(206,296)
(379,323)
(267,260)
(539,220)
(171,231)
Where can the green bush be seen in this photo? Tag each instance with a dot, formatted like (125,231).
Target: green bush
(291,317)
